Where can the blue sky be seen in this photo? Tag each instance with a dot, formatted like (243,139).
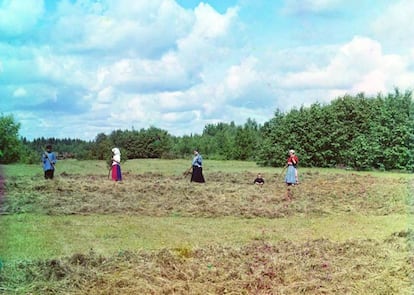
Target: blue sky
(74,69)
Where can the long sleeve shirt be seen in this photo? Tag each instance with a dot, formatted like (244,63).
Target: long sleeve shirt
(293,160)
(116,160)
(48,160)
(197,161)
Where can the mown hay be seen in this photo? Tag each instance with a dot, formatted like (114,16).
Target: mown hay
(223,195)
(311,267)
(307,267)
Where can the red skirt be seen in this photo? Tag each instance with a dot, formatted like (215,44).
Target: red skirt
(116,173)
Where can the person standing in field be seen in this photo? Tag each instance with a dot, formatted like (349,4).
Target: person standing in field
(49,161)
(291,177)
(116,165)
(197,168)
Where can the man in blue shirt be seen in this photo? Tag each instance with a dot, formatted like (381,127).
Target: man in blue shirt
(49,161)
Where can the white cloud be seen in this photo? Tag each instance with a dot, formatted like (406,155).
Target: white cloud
(313,6)
(130,28)
(143,75)
(105,95)
(63,69)
(394,27)
(209,23)
(20,92)
(143,89)
(18,17)
(358,66)
(210,34)
(241,76)
(117,64)
(170,101)
(181,117)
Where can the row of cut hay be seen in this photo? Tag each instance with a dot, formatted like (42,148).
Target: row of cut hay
(311,267)
(222,195)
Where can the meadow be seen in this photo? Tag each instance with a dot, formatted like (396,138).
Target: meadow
(343,232)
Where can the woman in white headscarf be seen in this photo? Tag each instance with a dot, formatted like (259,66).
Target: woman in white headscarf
(116,164)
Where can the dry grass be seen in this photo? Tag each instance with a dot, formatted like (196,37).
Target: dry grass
(311,267)
(264,266)
(224,194)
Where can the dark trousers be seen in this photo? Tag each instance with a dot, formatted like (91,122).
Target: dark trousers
(49,174)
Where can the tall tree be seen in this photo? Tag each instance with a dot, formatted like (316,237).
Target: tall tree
(355,131)
(10,144)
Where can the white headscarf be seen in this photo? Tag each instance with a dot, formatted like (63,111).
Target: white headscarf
(117,156)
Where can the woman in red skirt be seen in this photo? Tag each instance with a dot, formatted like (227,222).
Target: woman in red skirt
(116,165)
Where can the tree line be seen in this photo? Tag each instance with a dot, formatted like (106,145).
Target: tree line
(358,132)
(352,131)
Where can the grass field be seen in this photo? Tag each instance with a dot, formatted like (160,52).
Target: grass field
(344,232)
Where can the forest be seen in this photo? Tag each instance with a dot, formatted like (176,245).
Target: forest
(355,132)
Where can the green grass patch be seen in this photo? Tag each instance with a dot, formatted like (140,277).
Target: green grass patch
(31,236)
(173,167)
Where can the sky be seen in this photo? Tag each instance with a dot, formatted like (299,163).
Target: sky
(76,69)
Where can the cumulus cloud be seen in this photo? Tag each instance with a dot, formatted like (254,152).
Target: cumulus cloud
(63,70)
(179,82)
(358,66)
(117,64)
(394,26)
(19,17)
(240,76)
(145,29)
(209,37)
(143,75)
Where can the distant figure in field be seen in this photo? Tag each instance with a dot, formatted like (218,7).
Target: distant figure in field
(259,180)
(116,165)
(197,168)
(49,161)
(292,172)
(291,177)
